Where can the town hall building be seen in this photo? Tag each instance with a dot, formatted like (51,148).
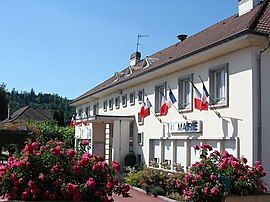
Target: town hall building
(231,58)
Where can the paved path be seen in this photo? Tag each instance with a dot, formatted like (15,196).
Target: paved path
(136,196)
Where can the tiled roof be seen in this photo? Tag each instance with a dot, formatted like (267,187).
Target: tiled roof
(26,113)
(255,21)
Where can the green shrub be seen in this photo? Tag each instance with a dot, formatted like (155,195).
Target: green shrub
(157,191)
(135,179)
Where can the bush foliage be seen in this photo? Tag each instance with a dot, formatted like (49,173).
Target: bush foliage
(52,171)
(212,178)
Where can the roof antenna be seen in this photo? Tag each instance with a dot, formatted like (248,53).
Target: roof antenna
(138,40)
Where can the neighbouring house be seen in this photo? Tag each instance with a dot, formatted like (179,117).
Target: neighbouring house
(15,129)
(232,57)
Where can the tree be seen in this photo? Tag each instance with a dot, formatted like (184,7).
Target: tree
(3,102)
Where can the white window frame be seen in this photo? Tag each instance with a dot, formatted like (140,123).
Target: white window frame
(87,111)
(182,105)
(132,102)
(219,100)
(117,102)
(80,112)
(140,96)
(105,105)
(95,109)
(124,100)
(140,137)
(111,104)
(140,119)
(158,98)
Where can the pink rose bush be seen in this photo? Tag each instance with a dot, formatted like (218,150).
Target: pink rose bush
(53,172)
(218,175)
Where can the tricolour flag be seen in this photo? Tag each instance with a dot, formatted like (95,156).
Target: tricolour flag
(72,122)
(171,99)
(164,106)
(204,97)
(145,109)
(200,99)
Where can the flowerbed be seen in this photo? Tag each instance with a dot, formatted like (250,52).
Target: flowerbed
(54,172)
(213,178)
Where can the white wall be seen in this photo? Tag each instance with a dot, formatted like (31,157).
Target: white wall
(236,119)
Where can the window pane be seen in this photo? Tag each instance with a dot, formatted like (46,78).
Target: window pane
(186,93)
(158,96)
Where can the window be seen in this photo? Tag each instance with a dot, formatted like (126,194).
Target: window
(140,96)
(185,93)
(80,113)
(124,100)
(218,85)
(87,111)
(140,119)
(140,139)
(95,109)
(132,98)
(117,102)
(105,105)
(158,97)
(111,104)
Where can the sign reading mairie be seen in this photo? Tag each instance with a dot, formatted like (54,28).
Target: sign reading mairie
(186,127)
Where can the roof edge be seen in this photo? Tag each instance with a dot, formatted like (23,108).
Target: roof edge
(175,60)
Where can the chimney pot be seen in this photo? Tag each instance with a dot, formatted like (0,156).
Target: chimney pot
(182,37)
(9,115)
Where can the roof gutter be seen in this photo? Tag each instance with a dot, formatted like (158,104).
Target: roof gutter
(173,61)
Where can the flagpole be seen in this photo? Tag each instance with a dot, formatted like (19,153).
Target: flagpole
(211,105)
(181,113)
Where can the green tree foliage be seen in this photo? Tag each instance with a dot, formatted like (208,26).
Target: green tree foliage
(52,131)
(52,102)
(3,102)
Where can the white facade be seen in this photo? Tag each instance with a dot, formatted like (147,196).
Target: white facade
(118,130)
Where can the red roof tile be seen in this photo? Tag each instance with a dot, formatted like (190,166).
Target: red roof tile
(255,21)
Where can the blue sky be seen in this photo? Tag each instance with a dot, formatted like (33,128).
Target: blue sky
(69,46)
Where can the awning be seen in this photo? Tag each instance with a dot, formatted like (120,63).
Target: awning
(104,118)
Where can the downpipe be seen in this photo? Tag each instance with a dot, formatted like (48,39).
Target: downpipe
(260,101)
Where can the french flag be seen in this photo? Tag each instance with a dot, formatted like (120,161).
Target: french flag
(72,122)
(164,106)
(145,109)
(200,100)
(171,99)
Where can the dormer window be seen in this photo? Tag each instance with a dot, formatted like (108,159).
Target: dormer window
(116,76)
(129,71)
(149,61)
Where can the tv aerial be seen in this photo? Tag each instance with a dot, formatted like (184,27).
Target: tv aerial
(138,40)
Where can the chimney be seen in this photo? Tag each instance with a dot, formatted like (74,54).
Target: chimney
(9,115)
(135,58)
(182,37)
(244,6)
